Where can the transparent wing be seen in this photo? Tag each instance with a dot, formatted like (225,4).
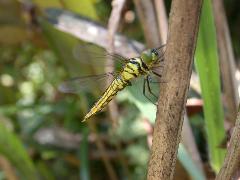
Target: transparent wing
(85,83)
(94,55)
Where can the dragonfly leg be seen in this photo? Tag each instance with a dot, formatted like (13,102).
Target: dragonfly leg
(144,91)
(157,74)
(158,66)
(159,79)
(149,88)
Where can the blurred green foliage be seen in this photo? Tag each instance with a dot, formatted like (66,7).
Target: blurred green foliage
(35,117)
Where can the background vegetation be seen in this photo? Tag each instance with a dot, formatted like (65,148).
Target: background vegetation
(41,133)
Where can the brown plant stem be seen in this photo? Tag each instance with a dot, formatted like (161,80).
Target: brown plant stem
(113,24)
(183,29)
(232,159)
(100,146)
(7,168)
(103,152)
(162,20)
(146,13)
(187,137)
(63,4)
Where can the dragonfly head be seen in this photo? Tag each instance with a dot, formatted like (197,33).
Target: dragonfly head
(150,55)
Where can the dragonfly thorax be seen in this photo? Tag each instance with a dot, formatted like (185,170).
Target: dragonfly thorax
(133,69)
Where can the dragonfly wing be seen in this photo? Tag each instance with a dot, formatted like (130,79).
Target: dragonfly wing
(85,83)
(94,55)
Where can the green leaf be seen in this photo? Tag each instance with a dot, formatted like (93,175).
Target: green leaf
(135,95)
(84,158)
(188,164)
(131,125)
(207,65)
(83,7)
(12,148)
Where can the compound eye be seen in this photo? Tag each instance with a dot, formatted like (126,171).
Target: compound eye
(155,52)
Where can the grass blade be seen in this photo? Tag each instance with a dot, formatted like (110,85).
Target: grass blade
(83,154)
(12,148)
(207,65)
(188,164)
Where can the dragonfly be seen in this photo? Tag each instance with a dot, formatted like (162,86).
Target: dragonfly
(144,65)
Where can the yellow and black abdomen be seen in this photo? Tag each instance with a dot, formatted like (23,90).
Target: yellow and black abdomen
(131,70)
(117,85)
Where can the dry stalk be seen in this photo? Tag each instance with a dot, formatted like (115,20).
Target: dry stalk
(103,151)
(232,159)
(183,29)
(113,24)
(162,20)
(146,14)
(187,137)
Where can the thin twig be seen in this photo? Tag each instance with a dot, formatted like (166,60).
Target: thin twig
(63,4)
(103,152)
(7,168)
(100,145)
(232,159)
(146,13)
(227,62)
(183,29)
(162,20)
(113,23)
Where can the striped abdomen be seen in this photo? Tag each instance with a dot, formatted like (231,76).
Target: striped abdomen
(133,69)
(116,86)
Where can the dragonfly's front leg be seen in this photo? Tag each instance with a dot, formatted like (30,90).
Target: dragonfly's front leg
(144,91)
(159,79)
(149,88)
